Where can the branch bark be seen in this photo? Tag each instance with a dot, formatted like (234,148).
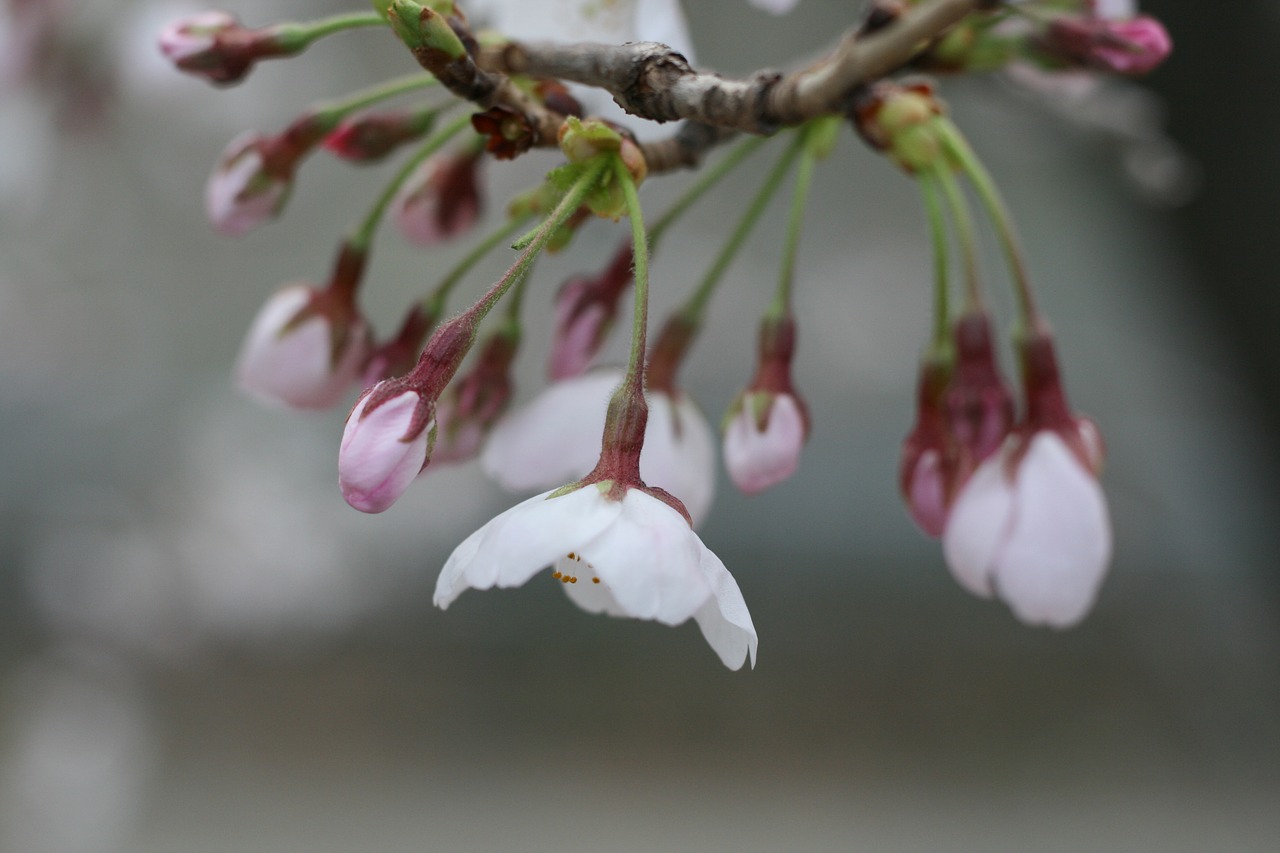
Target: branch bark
(652,81)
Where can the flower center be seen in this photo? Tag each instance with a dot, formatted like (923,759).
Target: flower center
(570,575)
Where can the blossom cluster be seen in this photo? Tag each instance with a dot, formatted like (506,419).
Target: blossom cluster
(622,458)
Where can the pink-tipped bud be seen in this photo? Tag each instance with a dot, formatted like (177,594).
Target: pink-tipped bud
(254,175)
(979,403)
(369,138)
(383,449)
(766,428)
(441,201)
(474,403)
(1133,47)
(306,346)
(763,440)
(932,467)
(215,46)
(586,308)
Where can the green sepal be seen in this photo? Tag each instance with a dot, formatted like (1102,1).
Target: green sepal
(423,28)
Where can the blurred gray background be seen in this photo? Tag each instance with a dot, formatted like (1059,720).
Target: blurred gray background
(202,648)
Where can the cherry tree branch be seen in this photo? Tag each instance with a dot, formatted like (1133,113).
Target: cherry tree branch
(652,81)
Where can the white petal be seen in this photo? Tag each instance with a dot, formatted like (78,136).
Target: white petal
(724,618)
(979,526)
(759,459)
(553,439)
(649,559)
(591,597)
(680,453)
(526,538)
(1059,545)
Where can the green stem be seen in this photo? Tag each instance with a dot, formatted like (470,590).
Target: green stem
(981,179)
(959,207)
(362,237)
(495,239)
(697,301)
(941,273)
(298,37)
(640,259)
(708,179)
(335,111)
(795,225)
(568,205)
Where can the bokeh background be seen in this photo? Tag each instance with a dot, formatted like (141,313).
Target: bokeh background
(203,649)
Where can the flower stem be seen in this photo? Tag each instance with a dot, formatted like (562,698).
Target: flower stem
(568,205)
(696,304)
(634,380)
(331,112)
(495,238)
(362,237)
(708,179)
(795,225)
(941,342)
(959,207)
(969,163)
(298,37)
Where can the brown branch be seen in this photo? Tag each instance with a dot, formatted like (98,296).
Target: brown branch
(652,81)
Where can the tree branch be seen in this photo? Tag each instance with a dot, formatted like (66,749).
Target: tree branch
(652,81)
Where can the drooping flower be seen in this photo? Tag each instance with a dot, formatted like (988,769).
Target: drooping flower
(635,556)
(441,201)
(555,438)
(767,426)
(307,344)
(978,401)
(586,307)
(928,473)
(1031,525)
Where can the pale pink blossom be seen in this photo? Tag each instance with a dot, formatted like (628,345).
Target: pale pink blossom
(382,451)
(555,438)
(295,356)
(1031,527)
(629,555)
(763,439)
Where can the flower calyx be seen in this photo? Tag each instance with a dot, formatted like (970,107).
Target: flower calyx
(583,144)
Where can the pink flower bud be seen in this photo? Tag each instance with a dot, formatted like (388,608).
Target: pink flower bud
(933,465)
(244,191)
(441,201)
(383,449)
(763,440)
(306,346)
(368,138)
(585,311)
(766,428)
(1134,46)
(979,403)
(214,45)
